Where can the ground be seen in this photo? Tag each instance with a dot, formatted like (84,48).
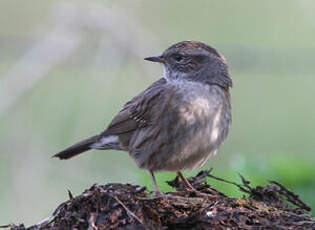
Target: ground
(125,206)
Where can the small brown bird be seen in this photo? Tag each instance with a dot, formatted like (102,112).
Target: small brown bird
(179,121)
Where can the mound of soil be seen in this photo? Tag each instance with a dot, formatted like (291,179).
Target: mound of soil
(125,206)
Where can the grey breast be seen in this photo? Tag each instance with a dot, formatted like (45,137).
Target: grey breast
(194,122)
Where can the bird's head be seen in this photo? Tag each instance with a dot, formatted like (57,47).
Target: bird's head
(194,61)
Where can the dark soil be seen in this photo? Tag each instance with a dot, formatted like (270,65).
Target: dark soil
(125,206)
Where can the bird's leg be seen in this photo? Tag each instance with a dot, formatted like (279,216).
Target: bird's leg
(186,182)
(192,189)
(155,187)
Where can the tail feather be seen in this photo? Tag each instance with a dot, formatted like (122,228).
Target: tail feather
(77,148)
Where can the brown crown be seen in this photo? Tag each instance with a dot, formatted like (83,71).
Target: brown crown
(184,45)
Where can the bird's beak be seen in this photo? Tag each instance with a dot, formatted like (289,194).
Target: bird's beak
(155,59)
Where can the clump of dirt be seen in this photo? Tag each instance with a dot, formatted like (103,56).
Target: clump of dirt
(125,206)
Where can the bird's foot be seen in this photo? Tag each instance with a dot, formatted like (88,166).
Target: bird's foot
(192,190)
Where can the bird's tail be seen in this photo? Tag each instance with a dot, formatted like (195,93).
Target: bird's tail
(77,148)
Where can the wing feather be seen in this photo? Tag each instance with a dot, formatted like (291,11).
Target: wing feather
(135,113)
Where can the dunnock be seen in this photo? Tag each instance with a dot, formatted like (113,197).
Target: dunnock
(179,121)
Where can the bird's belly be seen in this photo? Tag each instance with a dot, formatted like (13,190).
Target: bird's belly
(199,125)
(200,131)
(200,143)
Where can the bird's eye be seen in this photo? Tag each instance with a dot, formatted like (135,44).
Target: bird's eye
(178,57)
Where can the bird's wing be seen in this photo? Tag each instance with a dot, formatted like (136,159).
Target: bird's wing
(140,112)
(137,113)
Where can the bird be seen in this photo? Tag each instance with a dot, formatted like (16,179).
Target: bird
(179,121)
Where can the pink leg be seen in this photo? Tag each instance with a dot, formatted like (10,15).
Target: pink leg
(155,187)
(186,182)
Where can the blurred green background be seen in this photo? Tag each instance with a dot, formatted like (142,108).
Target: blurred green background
(66,68)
